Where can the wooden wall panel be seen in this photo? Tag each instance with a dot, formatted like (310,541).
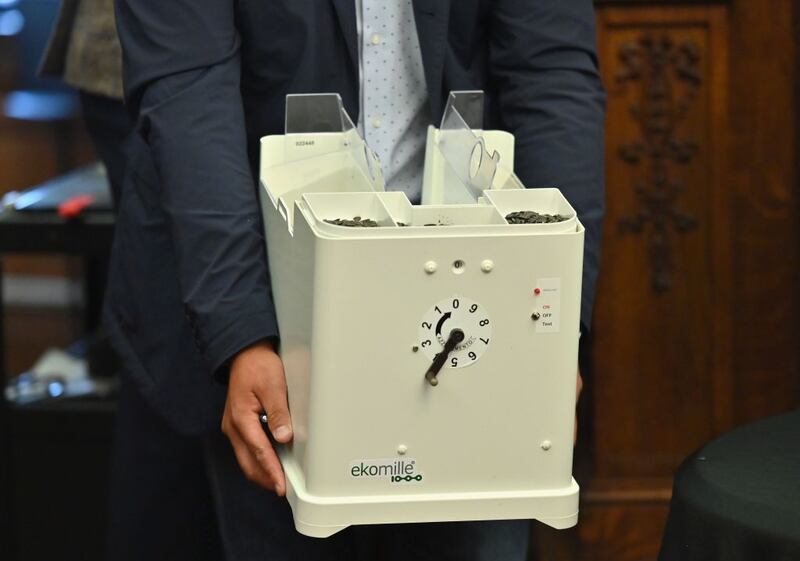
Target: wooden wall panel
(660,291)
(763,176)
(696,325)
(621,526)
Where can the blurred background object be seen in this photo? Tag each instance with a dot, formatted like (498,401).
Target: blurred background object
(59,409)
(56,446)
(738,498)
(41,137)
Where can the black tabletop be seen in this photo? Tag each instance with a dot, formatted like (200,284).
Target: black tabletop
(738,498)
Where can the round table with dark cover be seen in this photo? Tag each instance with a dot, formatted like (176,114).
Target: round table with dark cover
(738,498)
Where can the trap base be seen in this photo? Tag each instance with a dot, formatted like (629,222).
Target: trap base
(321,517)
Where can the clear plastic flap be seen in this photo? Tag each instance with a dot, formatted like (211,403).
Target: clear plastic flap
(314,113)
(463,150)
(318,125)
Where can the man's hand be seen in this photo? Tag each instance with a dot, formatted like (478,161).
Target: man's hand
(578,390)
(257,383)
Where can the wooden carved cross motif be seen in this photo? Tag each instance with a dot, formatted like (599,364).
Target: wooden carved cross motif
(669,80)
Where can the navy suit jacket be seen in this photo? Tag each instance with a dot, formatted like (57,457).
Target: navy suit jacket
(189,284)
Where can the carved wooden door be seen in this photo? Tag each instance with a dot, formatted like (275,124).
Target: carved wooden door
(695,328)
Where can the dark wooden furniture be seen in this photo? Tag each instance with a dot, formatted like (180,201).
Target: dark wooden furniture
(696,328)
(56,456)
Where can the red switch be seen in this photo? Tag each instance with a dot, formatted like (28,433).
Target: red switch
(537,291)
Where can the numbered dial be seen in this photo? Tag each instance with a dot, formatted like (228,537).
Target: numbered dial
(456,313)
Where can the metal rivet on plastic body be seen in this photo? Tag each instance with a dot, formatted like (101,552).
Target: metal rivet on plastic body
(487,265)
(430,267)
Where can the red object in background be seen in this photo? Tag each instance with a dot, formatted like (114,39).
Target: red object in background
(537,291)
(74,206)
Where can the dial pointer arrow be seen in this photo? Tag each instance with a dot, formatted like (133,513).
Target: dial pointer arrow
(444,318)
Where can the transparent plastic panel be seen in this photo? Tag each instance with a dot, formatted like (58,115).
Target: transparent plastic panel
(317,125)
(365,159)
(321,152)
(469,106)
(463,150)
(315,113)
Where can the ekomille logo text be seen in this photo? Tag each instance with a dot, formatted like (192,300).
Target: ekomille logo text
(397,471)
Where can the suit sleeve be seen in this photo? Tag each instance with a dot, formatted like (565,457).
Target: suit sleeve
(543,63)
(181,75)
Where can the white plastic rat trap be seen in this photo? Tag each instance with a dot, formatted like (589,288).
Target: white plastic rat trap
(430,350)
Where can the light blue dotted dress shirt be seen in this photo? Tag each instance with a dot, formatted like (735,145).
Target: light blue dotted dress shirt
(395,112)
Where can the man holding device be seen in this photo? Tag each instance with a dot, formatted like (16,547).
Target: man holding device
(189,294)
